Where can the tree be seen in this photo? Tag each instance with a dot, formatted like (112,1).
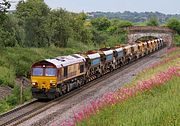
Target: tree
(174,24)
(118,26)
(81,28)
(101,24)
(57,27)
(8,32)
(153,21)
(8,36)
(32,15)
(4,5)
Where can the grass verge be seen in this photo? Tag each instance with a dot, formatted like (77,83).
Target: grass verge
(157,107)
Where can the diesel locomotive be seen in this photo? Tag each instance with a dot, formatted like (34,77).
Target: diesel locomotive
(51,78)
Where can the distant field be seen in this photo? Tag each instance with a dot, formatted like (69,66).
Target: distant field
(159,106)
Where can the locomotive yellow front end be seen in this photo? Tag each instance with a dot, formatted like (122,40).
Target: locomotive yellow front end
(44,80)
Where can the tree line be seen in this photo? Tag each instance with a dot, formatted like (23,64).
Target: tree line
(134,16)
(34,24)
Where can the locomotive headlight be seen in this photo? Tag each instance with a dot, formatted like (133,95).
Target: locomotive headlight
(53,84)
(34,83)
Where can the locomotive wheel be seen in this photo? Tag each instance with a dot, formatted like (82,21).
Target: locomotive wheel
(63,89)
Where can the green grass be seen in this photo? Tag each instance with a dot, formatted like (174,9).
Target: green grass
(157,107)
(14,99)
(15,62)
(177,40)
(144,75)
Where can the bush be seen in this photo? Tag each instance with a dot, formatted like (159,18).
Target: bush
(7,76)
(174,24)
(177,40)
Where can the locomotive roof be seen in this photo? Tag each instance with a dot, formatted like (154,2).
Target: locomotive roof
(93,56)
(62,61)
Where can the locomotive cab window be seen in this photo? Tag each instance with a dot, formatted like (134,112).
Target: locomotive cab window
(50,72)
(65,71)
(81,68)
(37,71)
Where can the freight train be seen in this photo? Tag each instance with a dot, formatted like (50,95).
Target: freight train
(51,78)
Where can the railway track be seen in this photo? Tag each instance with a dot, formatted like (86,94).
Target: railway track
(23,113)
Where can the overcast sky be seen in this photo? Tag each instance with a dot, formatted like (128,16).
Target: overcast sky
(164,6)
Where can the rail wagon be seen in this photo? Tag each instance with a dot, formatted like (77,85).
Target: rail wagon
(149,46)
(156,44)
(119,55)
(128,53)
(93,65)
(153,45)
(141,48)
(135,51)
(107,60)
(159,43)
(162,43)
(52,77)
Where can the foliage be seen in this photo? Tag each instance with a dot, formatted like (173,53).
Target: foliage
(34,24)
(14,99)
(174,24)
(32,15)
(101,24)
(118,27)
(9,32)
(177,40)
(7,77)
(153,21)
(136,17)
(57,28)
(4,5)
